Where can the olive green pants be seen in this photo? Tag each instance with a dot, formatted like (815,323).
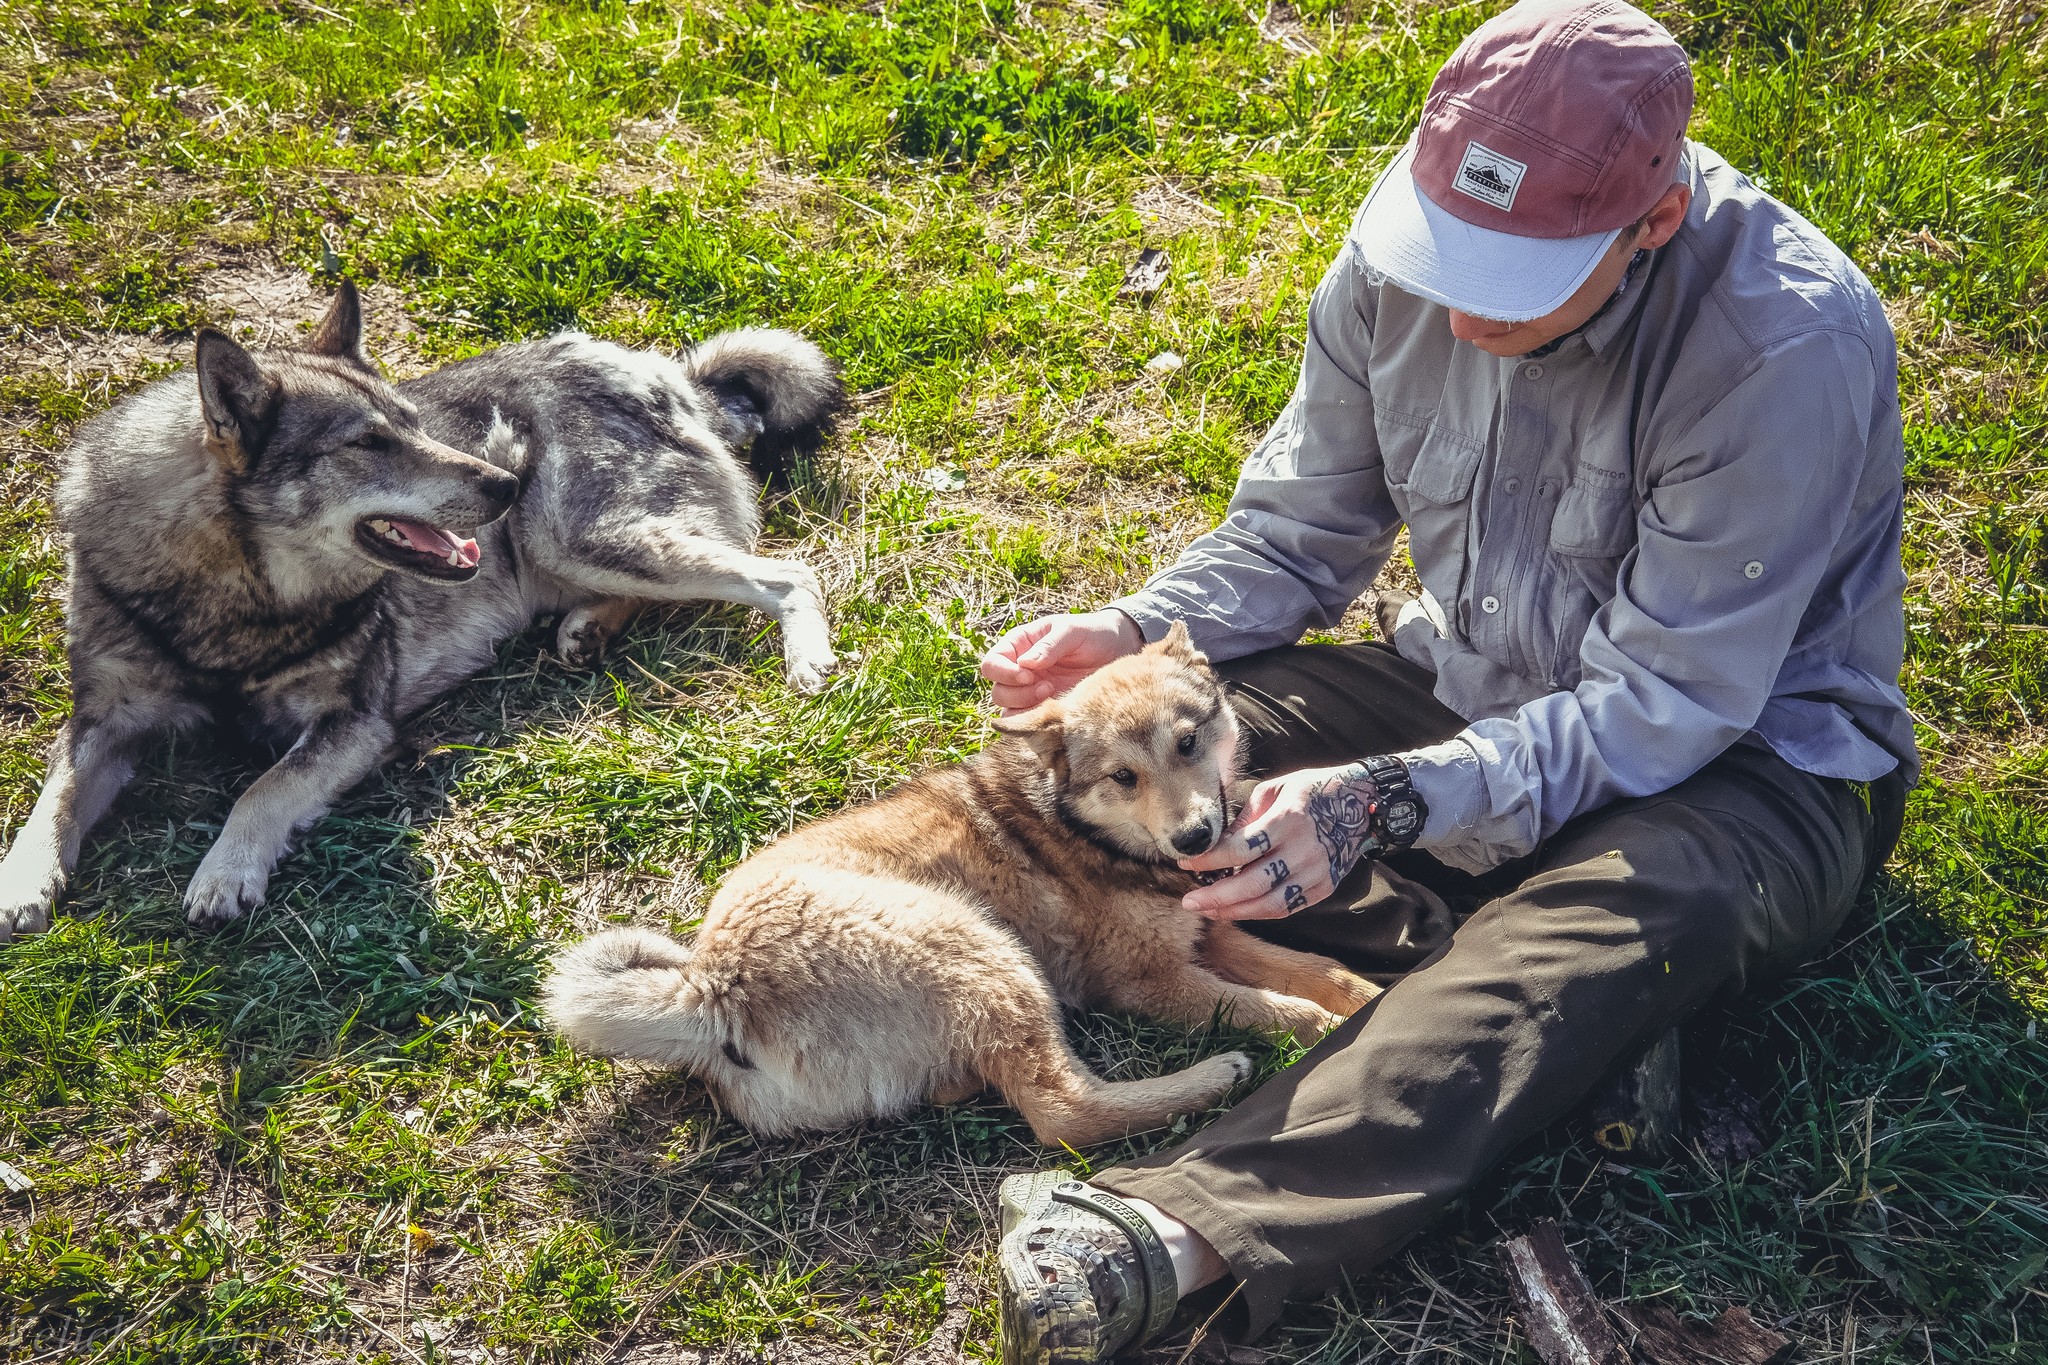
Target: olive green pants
(1513,994)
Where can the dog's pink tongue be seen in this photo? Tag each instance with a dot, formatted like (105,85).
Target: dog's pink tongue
(432,540)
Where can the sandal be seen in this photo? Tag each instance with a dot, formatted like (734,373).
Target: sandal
(1083,1274)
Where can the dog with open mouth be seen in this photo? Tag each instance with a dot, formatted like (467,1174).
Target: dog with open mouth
(923,946)
(288,542)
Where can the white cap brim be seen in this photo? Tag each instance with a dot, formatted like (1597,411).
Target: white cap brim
(1405,236)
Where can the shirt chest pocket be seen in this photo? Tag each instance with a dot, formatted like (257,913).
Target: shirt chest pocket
(1427,460)
(1430,469)
(1593,527)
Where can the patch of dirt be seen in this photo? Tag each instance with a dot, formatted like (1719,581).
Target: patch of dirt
(1282,27)
(257,301)
(1172,209)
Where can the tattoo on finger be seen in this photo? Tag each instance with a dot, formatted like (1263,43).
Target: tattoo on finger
(1294,898)
(1258,841)
(1277,870)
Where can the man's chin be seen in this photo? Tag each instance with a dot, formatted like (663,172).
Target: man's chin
(1507,347)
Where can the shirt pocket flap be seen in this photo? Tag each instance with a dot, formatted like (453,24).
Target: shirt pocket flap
(1593,521)
(1442,467)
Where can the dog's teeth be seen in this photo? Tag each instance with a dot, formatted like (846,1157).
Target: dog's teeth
(454,559)
(380,526)
(391,534)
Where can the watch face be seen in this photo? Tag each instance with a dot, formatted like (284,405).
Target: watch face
(1401,820)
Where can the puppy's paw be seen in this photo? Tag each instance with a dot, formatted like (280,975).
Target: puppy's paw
(1215,1077)
(227,886)
(1305,1019)
(1357,993)
(1239,1065)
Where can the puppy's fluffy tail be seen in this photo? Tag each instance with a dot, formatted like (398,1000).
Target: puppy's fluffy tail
(628,993)
(775,386)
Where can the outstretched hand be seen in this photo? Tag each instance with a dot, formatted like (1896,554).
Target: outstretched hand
(1046,657)
(1296,838)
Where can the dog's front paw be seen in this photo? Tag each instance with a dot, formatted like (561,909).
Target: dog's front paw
(226,887)
(26,895)
(810,672)
(22,914)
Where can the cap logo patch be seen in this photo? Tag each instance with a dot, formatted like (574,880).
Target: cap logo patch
(1489,177)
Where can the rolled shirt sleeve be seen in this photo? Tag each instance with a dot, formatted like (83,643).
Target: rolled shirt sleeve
(1746,505)
(1310,522)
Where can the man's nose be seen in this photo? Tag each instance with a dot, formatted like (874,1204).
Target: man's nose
(1467,327)
(1195,839)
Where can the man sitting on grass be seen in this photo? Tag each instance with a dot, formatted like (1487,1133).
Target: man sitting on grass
(1639,743)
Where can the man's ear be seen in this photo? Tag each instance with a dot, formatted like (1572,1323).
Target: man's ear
(237,399)
(1043,727)
(1176,646)
(340,333)
(1665,218)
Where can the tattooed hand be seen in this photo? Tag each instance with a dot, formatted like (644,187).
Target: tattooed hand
(1341,806)
(1294,842)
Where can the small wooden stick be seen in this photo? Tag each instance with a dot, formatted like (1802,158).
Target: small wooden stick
(1560,1315)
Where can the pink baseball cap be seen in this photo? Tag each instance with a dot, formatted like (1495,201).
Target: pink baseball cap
(1553,127)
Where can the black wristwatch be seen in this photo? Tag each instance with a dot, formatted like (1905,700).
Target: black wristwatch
(1399,813)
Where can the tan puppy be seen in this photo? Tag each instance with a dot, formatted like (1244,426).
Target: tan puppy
(921,947)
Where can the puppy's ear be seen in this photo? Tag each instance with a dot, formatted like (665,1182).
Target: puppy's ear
(340,333)
(1176,646)
(1043,727)
(237,399)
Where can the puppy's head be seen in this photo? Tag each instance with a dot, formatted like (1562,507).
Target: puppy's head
(1143,751)
(329,465)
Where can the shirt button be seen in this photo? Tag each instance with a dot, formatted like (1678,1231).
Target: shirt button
(1753,569)
(1513,485)
(1532,371)
(1489,604)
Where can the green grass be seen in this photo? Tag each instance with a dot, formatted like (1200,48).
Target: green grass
(335,1130)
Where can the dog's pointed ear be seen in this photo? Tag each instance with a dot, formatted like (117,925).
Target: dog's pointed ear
(1043,727)
(1176,646)
(340,333)
(237,400)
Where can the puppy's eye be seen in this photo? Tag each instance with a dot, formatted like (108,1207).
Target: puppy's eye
(1189,742)
(374,443)
(1124,777)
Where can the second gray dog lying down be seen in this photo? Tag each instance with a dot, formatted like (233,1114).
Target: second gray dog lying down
(288,542)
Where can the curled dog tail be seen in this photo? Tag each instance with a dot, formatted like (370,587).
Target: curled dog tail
(628,993)
(776,389)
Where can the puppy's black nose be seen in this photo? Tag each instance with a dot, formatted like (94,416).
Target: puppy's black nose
(498,486)
(1195,839)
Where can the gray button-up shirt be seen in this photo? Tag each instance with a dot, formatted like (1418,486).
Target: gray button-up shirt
(1676,531)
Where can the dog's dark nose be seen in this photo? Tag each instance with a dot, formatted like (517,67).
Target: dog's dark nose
(1195,839)
(498,486)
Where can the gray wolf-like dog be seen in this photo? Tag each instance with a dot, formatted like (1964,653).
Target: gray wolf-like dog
(921,947)
(287,542)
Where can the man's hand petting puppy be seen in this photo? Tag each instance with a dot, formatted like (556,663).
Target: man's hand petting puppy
(1046,657)
(1295,840)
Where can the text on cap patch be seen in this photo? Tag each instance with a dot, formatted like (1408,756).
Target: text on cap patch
(1489,177)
